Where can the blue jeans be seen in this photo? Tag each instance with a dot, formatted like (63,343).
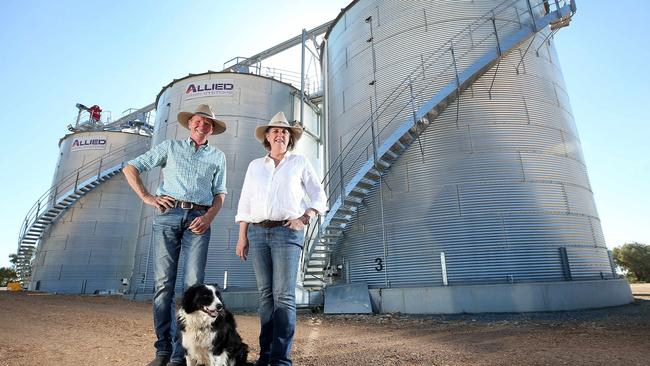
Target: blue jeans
(170,237)
(276,253)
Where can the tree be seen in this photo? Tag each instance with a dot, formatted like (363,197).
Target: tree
(7,275)
(13,258)
(635,258)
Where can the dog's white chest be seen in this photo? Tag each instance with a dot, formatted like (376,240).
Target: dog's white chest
(198,340)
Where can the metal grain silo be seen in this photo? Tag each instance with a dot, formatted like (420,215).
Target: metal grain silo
(461,108)
(243,101)
(87,223)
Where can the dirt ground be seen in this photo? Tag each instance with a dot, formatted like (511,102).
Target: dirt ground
(41,329)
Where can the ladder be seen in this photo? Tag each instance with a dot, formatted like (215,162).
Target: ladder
(352,183)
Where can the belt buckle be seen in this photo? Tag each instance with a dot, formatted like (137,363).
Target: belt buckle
(186,205)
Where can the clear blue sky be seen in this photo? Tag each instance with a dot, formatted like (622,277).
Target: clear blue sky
(119,54)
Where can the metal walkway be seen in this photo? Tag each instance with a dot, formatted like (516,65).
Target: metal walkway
(380,155)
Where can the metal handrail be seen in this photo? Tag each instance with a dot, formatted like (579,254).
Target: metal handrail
(404,86)
(312,228)
(71,182)
(489,19)
(290,77)
(401,88)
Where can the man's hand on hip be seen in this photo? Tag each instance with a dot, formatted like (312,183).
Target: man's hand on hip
(162,203)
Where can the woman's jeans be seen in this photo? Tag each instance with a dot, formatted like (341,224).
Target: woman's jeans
(170,237)
(276,253)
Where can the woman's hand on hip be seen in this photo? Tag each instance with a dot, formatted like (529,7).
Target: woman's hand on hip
(295,224)
(242,248)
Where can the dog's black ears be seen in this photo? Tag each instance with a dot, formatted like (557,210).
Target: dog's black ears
(188,302)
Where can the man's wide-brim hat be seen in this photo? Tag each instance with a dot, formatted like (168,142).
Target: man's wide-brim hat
(202,110)
(279,120)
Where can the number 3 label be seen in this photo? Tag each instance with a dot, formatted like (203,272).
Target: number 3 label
(380,265)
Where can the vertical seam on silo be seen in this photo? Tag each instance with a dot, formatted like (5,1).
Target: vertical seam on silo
(523,98)
(566,198)
(564,144)
(383,232)
(548,50)
(347,270)
(422,65)
(460,211)
(426,28)
(518,17)
(234,162)
(378,20)
(523,170)
(374,66)
(593,234)
(408,178)
(505,232)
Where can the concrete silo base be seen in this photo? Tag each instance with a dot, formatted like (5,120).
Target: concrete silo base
(235,300)
(504,298)
(246,299)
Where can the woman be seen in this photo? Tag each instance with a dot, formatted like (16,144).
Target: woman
(272,213)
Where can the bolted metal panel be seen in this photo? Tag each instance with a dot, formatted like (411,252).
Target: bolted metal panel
(499,183)
(252,102)
(587,263)
(90,247)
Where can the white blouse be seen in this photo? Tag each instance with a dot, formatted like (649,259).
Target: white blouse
(280,193)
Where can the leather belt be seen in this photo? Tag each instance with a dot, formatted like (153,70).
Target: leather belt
(268,224)
(190,205)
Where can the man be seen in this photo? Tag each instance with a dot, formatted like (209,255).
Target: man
(190,196)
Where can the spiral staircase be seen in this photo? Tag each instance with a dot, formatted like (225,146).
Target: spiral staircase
(348,187)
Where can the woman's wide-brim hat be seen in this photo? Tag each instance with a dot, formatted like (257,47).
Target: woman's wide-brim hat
(203,110)
(279,120)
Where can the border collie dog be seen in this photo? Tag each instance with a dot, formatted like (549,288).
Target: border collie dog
(207,329)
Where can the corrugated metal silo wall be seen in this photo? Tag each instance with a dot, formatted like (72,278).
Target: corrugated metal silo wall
(253,102)
(91,246)
(500,184)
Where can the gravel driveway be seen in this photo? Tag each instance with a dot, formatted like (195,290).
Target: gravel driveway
(41,329)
